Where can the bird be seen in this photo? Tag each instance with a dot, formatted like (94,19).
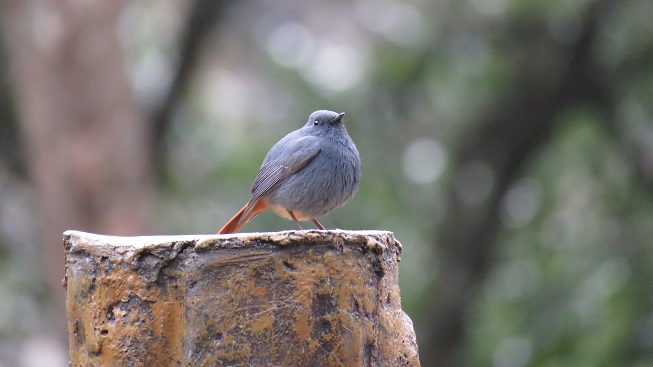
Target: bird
(308,173)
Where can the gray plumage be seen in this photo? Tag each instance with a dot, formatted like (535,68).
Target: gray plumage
(310,171)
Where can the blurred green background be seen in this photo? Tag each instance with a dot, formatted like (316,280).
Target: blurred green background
(507,144)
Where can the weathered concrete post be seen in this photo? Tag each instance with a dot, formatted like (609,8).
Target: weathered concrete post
(296,298)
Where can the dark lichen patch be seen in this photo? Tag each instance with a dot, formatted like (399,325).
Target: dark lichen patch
(323,304)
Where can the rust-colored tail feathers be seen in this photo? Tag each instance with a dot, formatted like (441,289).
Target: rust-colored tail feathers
(237,221)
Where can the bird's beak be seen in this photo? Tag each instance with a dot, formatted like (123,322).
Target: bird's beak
(339,117)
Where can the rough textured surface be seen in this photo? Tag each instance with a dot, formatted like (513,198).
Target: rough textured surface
(296,298)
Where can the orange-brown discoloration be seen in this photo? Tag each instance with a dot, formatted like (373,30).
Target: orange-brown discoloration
(296,298)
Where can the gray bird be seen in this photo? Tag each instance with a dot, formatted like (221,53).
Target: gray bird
(307,174)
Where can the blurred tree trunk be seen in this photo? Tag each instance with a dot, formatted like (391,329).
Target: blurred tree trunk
(202,19)
(87,143)
(503,142)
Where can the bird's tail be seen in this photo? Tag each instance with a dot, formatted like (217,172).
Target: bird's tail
(243,216)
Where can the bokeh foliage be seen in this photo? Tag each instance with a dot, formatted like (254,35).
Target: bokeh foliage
(506,143)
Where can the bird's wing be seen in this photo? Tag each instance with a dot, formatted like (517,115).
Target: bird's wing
(283,161)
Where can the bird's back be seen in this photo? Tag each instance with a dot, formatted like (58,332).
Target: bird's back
(330,179)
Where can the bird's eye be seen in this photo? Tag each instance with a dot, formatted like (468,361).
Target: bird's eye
(316,122)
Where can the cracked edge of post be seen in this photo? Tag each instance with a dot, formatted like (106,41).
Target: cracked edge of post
(127,247)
